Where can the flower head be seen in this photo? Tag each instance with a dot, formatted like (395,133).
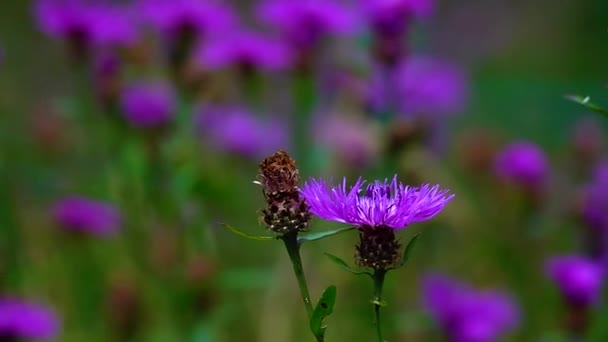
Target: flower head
(391,16)
(305,22)
(579,279)
(522,163)
(83,215)
(466,314)
(246,49)
(25,320)
(148,105)
(595,199)
(381,204)
(237,130)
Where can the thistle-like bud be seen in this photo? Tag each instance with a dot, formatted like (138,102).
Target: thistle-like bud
(378,248)
(286,211)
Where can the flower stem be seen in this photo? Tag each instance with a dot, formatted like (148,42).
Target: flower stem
(293,249)
(378,285)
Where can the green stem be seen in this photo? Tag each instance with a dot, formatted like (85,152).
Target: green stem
(378,285)
(293,249)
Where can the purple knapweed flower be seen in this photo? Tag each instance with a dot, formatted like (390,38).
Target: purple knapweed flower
(87,24)
(391,16)
(430,87)
(304,23)
(86,216)
(579,279)
(177,17)
(245,49)
(148,105)
(236,130)
(595,199)
(21,320)
(382,203)
(466,314)
(522,163)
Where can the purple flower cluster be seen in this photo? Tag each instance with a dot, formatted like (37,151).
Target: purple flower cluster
(388,204)
(244,48)
(148,105)
(28,321)
(391,16)
(86,216)
(237,130)
(579,279)
(522,163)
(466,314)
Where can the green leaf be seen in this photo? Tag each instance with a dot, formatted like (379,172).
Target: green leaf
(585,101)
(324,308)
(408,250)
(322,235)
(245,235)
(344,265)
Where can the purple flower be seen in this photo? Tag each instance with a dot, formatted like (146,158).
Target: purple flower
(148,105)
(83,215)
(175,17)
(383,204)
(236,130)
(305,22)
(89,24)
(244,48)
(595,199)
(391,16)
(579,279)
(26,320)
(466,314)
(430,87)
(522,163)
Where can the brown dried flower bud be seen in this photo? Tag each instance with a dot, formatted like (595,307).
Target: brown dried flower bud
(378,248)
(286,212)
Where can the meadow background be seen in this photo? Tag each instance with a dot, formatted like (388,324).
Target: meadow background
(172,273)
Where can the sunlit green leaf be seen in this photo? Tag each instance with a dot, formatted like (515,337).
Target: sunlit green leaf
(344,265)
(322,235)
(245,235)
(586,101)
(324,308)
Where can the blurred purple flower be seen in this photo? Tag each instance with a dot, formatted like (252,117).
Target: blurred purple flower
(87,24)
(148,105)
(522,163)
(579,279)
(305,22)
(83,215)
(28,321)
(176,17)
(595,199)
(382,204)
(587,140)
(466,314)
(430,87)
(391,16)
(350,139)
(244,48)
(236,130)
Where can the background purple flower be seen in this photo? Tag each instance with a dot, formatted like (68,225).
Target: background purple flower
(173,17)
(244,48)
(148,105)
(595,199)
(25,320)
(237,130)
(305,22)
(466,314)
(391,16)
(430,87)
(83,215)
(522,163)
(579,279)
(388,203)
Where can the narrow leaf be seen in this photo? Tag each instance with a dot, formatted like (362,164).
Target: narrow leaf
(324,308)
(322,235)
(408,251)
(585,101)
(245,235)
(342,264)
